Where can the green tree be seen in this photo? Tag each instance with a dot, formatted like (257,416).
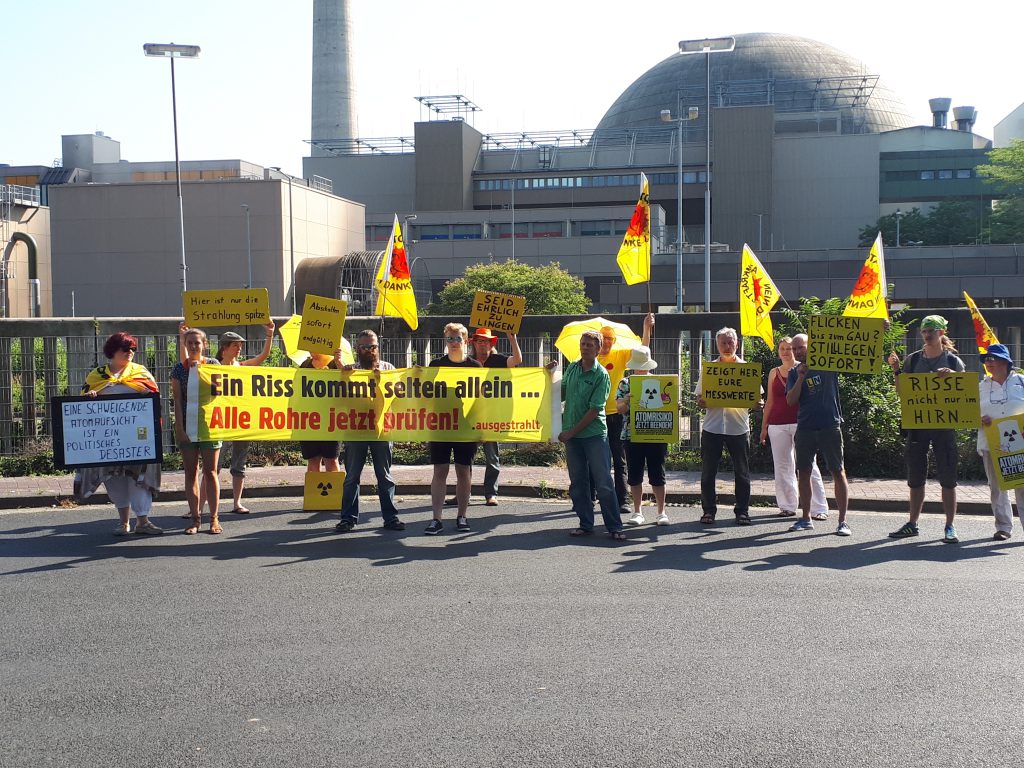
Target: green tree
(1005,172)
(549,290)
(952,222)
(912,227)
(1006,224)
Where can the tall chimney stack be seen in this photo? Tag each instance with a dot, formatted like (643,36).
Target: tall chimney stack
(333,94)
(940,109)
(965,117)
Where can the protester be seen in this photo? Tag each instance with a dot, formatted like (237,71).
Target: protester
(585,391)
(779,427)
(818,430)
(228,351)
(442,453)
(614,361)
(938,357)
(195,344)
(321,455)
(639,454)
(1001,394)
(131,487)
(368,359)
(727,428)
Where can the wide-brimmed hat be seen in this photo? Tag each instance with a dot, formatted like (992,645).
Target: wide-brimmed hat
(640,360)
(486,334)
(937,322)
(229,336)
(998,352)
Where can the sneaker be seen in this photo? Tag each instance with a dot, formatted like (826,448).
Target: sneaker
(662,519)
(345,526)
(394,524)
(637,519)
(949,535)
(844,530)
(802,525)
(123,530)
(462,524)
(908,530)
(1001,535)
(148,529)
(452,502)
(434,528)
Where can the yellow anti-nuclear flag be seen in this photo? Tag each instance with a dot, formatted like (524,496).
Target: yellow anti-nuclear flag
(983,333)
(395,297)
(634,257)
(868,297)
(758,295)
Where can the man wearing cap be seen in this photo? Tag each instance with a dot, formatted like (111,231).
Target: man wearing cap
(368,359)
(938,357)
(1001,395)
(614,361)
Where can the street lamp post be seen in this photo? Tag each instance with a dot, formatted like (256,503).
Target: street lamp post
(291,232)
(172,52)
(898,215)
(666,117)
(707,46)
(248,243)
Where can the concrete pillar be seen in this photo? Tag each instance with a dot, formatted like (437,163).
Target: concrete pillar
(333,90)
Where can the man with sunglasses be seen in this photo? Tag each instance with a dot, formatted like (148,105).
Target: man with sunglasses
(368,359)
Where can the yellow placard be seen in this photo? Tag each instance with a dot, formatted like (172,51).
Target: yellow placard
(411,404)
(931,401)
(654,409)
(230,306)
(323,324)
(730,385)
(321,491)
(845,344)
(497,311)
(1006,444)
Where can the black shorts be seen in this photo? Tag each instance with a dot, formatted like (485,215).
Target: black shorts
(828,443)
(653,454)
(441,453)
(319,449)
(943,443)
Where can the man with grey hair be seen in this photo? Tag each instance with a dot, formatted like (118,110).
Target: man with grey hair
(368,359)
(727,428)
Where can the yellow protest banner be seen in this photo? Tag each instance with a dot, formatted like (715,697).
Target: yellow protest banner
(930,401)
(321,491)
(730,385)
(845,344)
(230,306)
(1006,443)
(413,404)
(654,409)
(497,311)
(323,324)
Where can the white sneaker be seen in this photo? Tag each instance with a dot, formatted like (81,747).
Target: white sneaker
(662,519)
(637,519)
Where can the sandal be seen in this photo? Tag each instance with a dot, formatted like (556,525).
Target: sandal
(618,536)
(215,526)
(580,532)
(707,519)
(197,521)
(786,513)
(742,519)
(241,510)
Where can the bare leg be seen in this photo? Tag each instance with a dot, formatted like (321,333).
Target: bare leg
(331,465)
(438,481)
(637,492)
(463,484)
(949,504)
(916,504)
(659,498)
(803,482)
(841,489)
(211,481)
(237,486)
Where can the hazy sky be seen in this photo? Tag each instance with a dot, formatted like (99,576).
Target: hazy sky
(76,67)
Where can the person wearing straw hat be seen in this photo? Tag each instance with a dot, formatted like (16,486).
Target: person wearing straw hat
(938,357)
(639,454)
(1001,394)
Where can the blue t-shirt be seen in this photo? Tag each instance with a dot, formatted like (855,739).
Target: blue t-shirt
(819,400)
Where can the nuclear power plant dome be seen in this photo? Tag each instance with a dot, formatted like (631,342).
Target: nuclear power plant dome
(795,74)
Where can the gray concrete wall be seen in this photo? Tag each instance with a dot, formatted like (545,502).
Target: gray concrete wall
(446,153)
(35,223)
(88,149)
(741,175)
(385,184)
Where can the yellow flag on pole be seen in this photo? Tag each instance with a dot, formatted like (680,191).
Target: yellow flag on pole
(395,297)
(982,331)
(634,257)
(868,297)
(758,295)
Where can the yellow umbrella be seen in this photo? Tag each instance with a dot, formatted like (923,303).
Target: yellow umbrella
(290,336)
(568,342)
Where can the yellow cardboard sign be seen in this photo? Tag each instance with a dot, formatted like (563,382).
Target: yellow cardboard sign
(323,324)
(230,306)
(1006,443)
(653,409)
(321,491)
(730,385)
(413,404)
(930,401)
(497,311)
(845,344)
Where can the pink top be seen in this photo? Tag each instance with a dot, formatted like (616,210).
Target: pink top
(782,412)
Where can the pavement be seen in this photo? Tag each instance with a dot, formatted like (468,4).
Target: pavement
(516,482)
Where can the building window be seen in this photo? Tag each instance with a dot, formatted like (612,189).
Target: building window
(595,228)
(466,232)
(433,232)
(963,173)
(927,175)
(946,173)
(548,229)
(504,231)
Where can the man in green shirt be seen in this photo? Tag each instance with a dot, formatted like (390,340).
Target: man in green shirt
(585,389)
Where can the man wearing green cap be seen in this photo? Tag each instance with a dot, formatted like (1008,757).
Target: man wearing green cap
(938,357)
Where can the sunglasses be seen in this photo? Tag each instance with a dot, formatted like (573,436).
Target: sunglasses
(129,349)
(453,339)
(367,347)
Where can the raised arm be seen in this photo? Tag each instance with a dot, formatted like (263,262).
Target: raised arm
(516,358)
(262,356)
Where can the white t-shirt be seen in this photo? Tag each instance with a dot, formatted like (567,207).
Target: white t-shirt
(999,400)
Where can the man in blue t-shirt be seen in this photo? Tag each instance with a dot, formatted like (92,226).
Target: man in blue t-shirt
(818,430)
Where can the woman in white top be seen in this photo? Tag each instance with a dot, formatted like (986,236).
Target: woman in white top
(1001,394)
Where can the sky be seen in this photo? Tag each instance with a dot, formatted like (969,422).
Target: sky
(75,67)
